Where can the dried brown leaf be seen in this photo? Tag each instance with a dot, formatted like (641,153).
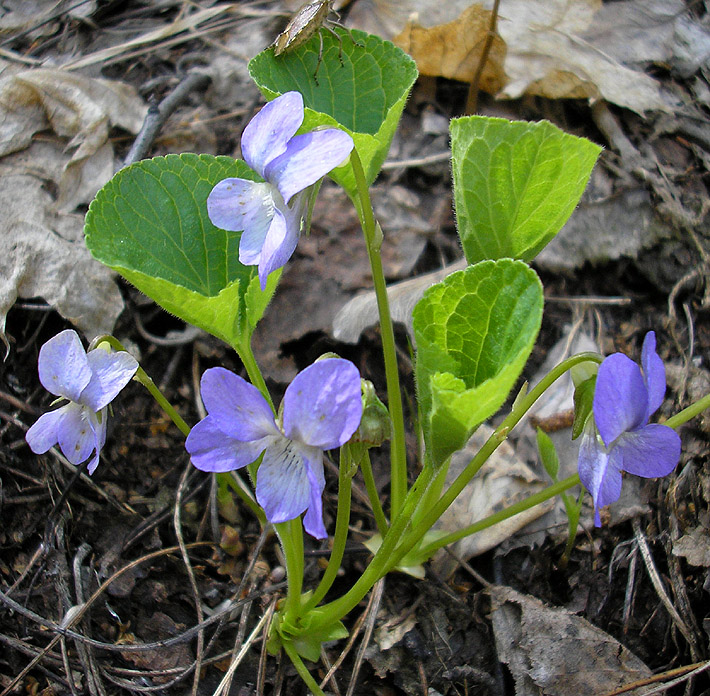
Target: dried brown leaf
(554,652)
(42,251)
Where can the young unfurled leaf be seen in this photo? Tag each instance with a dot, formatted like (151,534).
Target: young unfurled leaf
(474,333)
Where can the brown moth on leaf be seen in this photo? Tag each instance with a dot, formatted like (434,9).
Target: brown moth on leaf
(309,20)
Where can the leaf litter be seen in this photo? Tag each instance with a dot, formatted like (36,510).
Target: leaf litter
(436,632)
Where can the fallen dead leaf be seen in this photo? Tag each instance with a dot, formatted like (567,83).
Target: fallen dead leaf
(694,547)
(454,49)
(156,627)
(545,47)
(79,108)
(553,652)
(42,251)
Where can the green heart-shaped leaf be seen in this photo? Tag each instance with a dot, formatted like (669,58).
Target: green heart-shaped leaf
(150,223)
(364,94)
(474,332)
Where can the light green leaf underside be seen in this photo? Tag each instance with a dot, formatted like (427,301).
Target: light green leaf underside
(474,333)
(364,95)
(515,184)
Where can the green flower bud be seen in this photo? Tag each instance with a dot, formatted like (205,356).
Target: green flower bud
(375,426)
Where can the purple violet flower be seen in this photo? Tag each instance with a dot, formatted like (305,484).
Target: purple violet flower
(619,438)
(321,410)
(89,381)
(270,213)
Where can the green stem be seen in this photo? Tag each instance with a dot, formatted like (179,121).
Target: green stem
(499,435)
(687,413)
(147,382)
(291,536)
(246,355)
(398,453)
(495,518)
(302,670)
(370,486)
(377,568)
(392,551)
(342,520)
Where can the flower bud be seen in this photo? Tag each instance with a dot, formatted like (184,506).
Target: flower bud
(375,425)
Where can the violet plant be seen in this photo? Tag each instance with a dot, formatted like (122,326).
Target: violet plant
(206,238)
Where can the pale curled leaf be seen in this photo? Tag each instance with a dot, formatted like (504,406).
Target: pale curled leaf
(552,651)
(75,107)
(361,311)
(42,253)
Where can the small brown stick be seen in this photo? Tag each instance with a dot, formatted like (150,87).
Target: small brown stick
(355,632)
(85,652)
(263,622)
(373,608)
(177,522)
(65,630)
(658,583)
(158,114)
(680,593)
(472,98)
(630,590)
(686,672)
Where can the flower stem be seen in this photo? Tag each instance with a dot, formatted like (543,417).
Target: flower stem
(291,537)
(246,355)
(495,518)
(302,670)
(373,239)
(432,513)
(378,566)
(345,478)
(372,494)
(243,494)
(143,378)
(687,413)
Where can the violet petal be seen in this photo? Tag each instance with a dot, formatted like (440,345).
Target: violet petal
(63,366)
(654,373)
(239,204)
(77,434)
(282,486)
(111,372)
(236,407)
(620,397)
(211,450)
(651,451)
(313,519)
(308,158)
(267,134)
(279,244)
(99,442)
(322,406)
(598,471)
(43,434)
